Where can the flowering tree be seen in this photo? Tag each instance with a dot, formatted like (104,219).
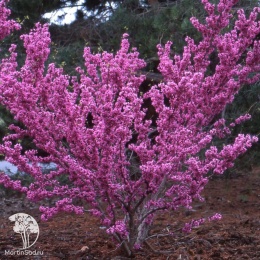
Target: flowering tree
(93,127)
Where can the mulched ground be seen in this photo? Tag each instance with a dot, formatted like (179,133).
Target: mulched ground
(236,236)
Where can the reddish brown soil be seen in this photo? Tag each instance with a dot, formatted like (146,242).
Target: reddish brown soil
(236,236)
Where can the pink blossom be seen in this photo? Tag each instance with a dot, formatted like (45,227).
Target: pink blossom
(217,216)
(193,224)
(6,26)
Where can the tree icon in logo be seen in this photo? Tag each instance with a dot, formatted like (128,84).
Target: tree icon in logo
(25,225)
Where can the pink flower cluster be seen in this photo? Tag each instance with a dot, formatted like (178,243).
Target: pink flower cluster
(6,26)
(196,223)
(87,126)
(118,228)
